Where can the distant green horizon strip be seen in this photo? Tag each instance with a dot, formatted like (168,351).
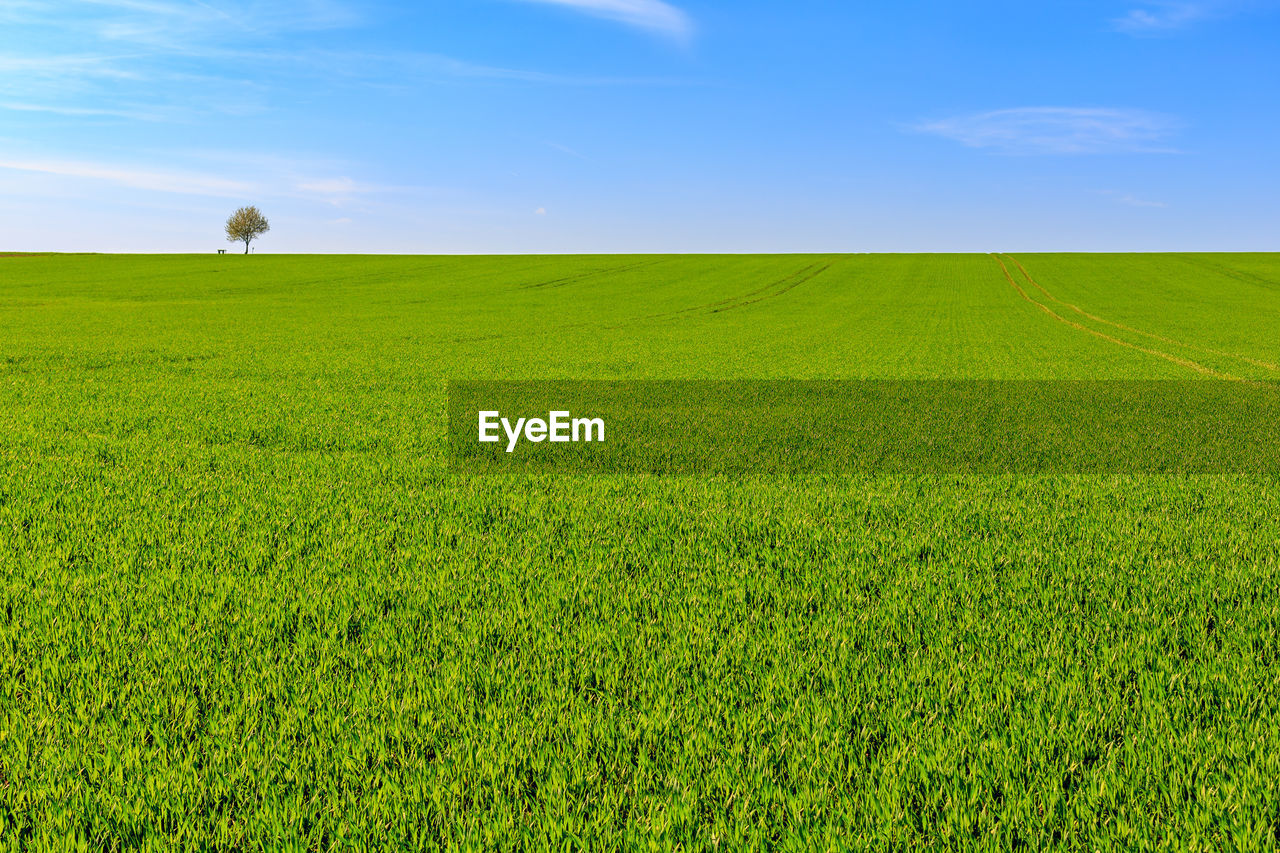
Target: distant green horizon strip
(762,428)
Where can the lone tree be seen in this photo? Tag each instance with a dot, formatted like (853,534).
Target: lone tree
(246,225)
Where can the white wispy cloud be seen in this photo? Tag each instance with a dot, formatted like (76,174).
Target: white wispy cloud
(1165,17)
(62,67)
(564,149)
(1129,200)
(1162,17)
(1057,130)
(162,60)
(339,191)
(653,15)
(115,55)
(263,181)
(334,186)
(446,65)
(152,21)
(411,68)
(182,182)
(81,112)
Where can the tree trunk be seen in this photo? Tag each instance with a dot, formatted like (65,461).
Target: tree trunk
(246,247)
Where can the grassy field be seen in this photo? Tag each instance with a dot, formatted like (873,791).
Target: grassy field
(247,603)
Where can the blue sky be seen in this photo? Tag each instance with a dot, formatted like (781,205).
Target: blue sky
(640,125)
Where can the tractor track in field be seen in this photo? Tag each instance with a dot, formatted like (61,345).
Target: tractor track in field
(1181,362)
(1238,275)
(805,275)
(1265,365)
(573,279)
(772,290)
(559,282)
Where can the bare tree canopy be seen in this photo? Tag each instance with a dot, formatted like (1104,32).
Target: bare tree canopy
(246,225)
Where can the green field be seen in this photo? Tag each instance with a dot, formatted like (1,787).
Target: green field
(247,603)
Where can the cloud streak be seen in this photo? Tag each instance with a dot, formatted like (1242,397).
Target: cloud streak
(263,182)
(184,183)
(1129,200)
(184,62)
(80,112)
(1162,17)
(64,67)
(428,64)
(1166,17)
(651,15)
(1057,130)
(161,21)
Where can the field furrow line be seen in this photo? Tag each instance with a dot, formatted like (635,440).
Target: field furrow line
(806,276)
(782,285)
(561,282)
(713,306)
(1182,362)
(1236,274)
(787,284)
(1266,365)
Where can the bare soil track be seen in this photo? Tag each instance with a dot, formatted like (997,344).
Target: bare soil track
(1182,362)
(1266,365)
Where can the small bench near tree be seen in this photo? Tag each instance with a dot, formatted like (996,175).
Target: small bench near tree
(246,225)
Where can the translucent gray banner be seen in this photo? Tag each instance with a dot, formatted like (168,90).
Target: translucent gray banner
(764,427)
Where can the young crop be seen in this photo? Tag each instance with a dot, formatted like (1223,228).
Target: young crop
(246,602)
